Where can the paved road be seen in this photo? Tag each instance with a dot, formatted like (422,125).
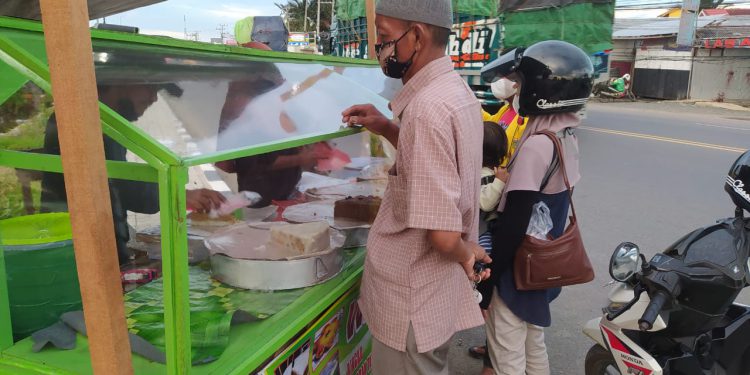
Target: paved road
(651,173)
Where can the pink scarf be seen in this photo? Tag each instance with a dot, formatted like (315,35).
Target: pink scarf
(534,155)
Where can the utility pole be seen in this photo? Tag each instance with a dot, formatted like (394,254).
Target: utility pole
(688,23)
(304,4)
(221,29)
(184,23)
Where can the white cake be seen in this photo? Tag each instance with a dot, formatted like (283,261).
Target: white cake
(302,238)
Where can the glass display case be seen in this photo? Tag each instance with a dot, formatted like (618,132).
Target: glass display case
(241,206)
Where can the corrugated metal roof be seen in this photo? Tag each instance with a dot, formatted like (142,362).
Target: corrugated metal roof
(29,9)
(728,27)
(661,27)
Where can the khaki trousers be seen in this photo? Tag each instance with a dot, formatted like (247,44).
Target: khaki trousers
(389,361)
(514,346)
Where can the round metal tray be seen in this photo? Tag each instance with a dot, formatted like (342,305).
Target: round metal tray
(277,274)
(240,258)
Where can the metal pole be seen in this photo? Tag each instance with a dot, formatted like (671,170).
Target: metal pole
(371,30)
(317,28)
(304,4)
(688,23)
(68,43)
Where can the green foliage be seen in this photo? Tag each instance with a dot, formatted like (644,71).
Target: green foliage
(293,12)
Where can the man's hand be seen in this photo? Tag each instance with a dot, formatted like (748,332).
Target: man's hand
(478,255)
(502,174)
(374,121)
(204,200)
(309,156)
(466,253)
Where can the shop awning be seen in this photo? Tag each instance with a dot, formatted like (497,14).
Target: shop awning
(29,9)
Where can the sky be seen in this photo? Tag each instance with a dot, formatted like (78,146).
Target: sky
(205,17)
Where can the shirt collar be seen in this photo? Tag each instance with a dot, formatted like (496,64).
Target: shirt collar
(426,75)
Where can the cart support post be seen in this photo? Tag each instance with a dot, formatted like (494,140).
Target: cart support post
(172,200)
(6,327)
(69,51)
(371,30)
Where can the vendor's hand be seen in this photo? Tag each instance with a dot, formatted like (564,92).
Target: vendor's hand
(502,174)
(479,255)
(204,200)
(309,156)
(368,116)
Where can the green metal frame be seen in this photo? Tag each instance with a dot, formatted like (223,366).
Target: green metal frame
(166,168)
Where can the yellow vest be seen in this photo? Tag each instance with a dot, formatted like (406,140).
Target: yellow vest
(514,132)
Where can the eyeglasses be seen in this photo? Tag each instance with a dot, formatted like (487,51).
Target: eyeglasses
(379,47)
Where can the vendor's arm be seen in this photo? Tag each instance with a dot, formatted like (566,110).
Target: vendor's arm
(204,200)
(374,121)
(307,158)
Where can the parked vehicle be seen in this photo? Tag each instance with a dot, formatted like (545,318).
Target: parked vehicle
(603,90)
(676,314)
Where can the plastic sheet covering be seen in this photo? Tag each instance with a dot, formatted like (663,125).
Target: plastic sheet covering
(589,26)
(213,308)
(374,188)
(250,241)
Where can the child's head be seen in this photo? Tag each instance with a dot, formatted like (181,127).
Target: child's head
(495,145)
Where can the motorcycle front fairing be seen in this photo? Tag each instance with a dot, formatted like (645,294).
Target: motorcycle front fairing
(710,266)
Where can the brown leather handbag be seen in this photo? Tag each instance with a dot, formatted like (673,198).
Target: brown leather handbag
(557,262)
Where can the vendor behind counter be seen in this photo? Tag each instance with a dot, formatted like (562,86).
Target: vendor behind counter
(273,175)
(131,102)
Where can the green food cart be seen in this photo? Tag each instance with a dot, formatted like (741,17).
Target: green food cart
(184,321)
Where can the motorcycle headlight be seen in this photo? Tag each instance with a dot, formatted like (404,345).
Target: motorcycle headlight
(625,262)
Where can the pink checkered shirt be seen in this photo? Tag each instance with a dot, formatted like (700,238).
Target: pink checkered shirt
(433,186)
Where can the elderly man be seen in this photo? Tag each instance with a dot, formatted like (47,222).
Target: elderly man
(415,294)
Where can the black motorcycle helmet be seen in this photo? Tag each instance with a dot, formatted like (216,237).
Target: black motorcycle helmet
(738,182)
(555,76)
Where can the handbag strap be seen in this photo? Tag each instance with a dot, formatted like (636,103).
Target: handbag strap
(558,150)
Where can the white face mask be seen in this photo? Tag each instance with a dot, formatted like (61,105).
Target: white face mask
(503,88)
(517,102)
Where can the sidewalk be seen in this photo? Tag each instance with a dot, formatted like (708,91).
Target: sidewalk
(732,106)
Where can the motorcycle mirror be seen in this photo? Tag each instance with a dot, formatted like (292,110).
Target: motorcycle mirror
(625,262)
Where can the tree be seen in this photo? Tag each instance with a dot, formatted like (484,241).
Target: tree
(294,15)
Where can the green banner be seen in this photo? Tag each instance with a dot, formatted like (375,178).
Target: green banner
(337,343)
(589,26)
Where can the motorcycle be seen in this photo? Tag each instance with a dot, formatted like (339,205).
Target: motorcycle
(603,90)
(676,314)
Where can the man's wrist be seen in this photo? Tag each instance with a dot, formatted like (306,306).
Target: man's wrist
(468,252)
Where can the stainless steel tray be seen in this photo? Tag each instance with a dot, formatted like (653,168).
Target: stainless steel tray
(277,274)
(322,210)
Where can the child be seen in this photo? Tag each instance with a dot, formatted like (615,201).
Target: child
(494,150)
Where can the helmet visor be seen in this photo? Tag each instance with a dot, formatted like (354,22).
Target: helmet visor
(503,67)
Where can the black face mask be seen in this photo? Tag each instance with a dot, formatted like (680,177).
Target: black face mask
(394,68)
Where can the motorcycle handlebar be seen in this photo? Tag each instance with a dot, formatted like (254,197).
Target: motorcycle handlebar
(652,311)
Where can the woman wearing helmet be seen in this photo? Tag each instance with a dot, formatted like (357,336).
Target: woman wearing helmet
(555,82)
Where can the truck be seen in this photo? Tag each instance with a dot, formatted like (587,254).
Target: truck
(483,29)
